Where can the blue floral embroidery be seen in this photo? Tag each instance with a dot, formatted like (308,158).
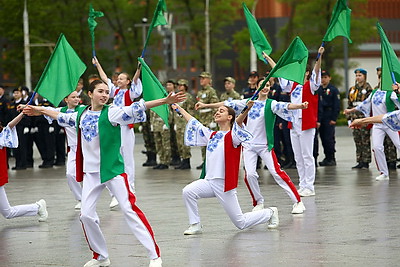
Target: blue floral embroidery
(255,111)
(392,121)
(213,143)
(118,98)
(61,120)
(201,133)
(126,117)
(378,97)
(7,137)
(191,130)
(296,92)
(89,126)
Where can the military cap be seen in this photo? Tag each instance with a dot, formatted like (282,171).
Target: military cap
(229,79)
(183,82)
(325,73)
(205,74)
(363,71)
(253,74)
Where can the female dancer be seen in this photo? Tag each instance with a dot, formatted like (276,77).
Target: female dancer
(9,138)
(220,178)
(99,146)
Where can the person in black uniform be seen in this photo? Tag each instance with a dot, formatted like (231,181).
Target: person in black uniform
(252,85)
(22,129)
(4,103)
(328,112)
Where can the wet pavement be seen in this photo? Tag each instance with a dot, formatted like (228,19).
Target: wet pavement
(352,221)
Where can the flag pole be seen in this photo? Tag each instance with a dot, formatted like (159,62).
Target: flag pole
(319,54)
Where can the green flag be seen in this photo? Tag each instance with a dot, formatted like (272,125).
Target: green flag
(152,90)
(340,22)
(61,73)
(258,39)
(158,19)
(292,64)
(390,62)
(92,23)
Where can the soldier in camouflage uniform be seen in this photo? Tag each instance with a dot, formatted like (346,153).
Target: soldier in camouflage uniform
(162,136)
(170,86)
(362,140)
(206,95)
(230,93)
(180,125)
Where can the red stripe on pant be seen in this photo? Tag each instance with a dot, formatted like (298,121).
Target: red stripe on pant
(284,176)
(249,188)
(132,200)
(95,255)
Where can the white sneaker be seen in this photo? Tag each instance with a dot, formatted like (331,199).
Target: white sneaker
(113,203)
(307,192)
(97,263)
(42,212)
(258,207)
(156,263)
(78,206)
(382,177)
(274,220)
(300,190)
(194,229)
(298,208)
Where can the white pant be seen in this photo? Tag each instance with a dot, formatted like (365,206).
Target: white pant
(379,132)
(303,144)
(16,211)
(135,218)
(75,186)
(204,188)
(127,147)
(250,154)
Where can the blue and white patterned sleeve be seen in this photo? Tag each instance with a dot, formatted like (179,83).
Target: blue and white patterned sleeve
(395,99)
(315,82)
(286,85)
(236,105)
(48,118)
(365,106)
(240,134)
(392,120)
(112,88)
(136,89)
(127,115)
(67,119)
(281,109)
(196,134)
(9,137)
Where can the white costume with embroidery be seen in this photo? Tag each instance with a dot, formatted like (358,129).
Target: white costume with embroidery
(375,104)
(258,146)
(119,185)
(213,184)
(302,141)
(9,138)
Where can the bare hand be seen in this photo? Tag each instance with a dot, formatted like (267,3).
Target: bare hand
(174,98)
(199,105)
(357,124)
(95,61)
(304,105)
(32,111)
(332,123)
(20,107)
(249,104)
(321,50)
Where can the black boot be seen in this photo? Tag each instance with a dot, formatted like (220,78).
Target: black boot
(365,165)
(151,160)
(176,161)
(358,166)
(199,167)
(185,165)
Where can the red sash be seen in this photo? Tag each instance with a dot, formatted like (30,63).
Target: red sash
(3,166)
(309,115)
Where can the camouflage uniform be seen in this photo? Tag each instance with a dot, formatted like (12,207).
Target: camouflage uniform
(207,95)
(161,138)
(148,138)
(175,154)
(362,139)
(230,96)
(180,125)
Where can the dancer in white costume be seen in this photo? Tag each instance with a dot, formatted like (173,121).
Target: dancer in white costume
(9,138)
(302,131)
(99,144)
(378,103)
(126,91)
(220,171)
(260,123)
